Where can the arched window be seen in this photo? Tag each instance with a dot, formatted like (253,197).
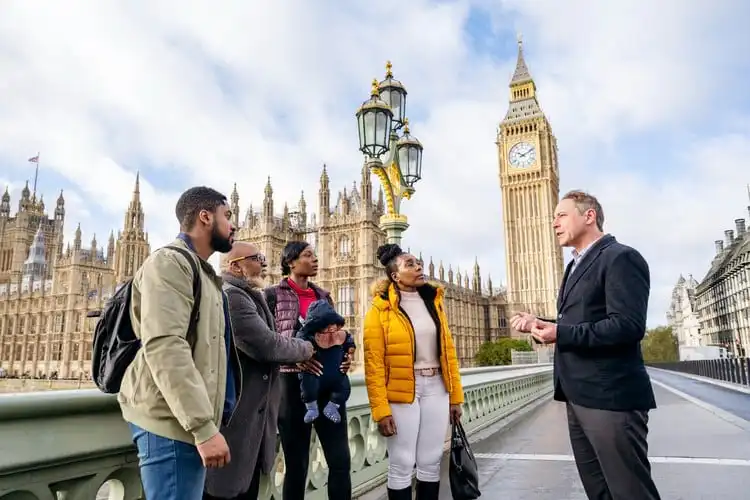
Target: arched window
(344,246)
(345,300)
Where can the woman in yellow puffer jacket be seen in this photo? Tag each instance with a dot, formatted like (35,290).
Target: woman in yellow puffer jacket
(411,372)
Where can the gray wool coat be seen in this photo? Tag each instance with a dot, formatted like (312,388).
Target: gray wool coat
(252,433)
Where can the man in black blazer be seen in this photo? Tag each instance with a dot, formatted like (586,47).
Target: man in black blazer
(599,370)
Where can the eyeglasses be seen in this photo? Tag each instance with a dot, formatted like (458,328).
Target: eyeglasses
(258,257)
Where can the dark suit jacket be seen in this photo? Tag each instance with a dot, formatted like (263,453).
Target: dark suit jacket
(601,321)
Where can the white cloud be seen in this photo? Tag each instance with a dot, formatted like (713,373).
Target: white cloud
(216,95)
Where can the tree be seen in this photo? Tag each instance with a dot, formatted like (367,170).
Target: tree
(498,352)
(660,345)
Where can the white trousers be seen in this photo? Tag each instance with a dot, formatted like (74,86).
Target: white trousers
(421,430)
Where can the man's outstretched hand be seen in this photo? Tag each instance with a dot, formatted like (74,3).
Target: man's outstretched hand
(523,322)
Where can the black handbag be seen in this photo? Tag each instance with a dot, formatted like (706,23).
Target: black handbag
(463,472)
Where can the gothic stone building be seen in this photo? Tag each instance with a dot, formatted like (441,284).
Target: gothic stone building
(682,315)
(346,236)
(46,291)
(723,297)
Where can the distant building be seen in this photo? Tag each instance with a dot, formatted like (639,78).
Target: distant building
(723,297)
(346,236)
(46,291)
(682,315)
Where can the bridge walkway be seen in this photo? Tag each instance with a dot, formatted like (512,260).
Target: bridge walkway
(699,446)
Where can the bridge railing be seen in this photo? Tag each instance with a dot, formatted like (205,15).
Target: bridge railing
(733,370)
(73,444)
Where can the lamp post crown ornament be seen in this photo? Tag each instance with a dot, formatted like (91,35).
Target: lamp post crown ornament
(406,126)
(388,69)
(375,90)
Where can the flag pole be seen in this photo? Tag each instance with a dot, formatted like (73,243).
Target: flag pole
(36,172)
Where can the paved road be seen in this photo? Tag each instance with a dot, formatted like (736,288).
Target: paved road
(695,455)
(735,402)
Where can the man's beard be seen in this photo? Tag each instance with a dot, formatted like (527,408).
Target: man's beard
(255,281)
(218,242)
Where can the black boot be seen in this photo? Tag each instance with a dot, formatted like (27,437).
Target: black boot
(428,491)
(404,494)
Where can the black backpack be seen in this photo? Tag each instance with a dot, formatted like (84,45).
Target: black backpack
(115,343)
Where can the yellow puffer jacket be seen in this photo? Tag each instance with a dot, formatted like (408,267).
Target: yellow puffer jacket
(389,350)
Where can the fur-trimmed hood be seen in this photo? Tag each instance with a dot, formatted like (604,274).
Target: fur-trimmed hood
(384,294)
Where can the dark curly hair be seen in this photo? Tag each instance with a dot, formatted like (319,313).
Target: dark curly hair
(387,255)
(291,252)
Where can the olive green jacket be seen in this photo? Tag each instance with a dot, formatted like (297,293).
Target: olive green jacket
(169,390)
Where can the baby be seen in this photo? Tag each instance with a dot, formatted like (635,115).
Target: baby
(323,328)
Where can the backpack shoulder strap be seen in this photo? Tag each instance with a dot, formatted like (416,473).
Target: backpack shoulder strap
(195,313)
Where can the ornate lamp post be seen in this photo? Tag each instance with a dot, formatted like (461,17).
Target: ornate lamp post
(379,120)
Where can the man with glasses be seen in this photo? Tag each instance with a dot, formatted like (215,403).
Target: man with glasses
(252,432)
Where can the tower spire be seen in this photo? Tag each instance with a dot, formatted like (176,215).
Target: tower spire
(521,74)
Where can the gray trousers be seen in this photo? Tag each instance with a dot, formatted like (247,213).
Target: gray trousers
(611,453)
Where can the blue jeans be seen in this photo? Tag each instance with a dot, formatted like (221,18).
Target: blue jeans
(170,470)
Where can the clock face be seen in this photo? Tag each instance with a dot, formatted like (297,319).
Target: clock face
(522,155)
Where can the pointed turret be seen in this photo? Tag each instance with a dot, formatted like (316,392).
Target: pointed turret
(431,268)
(521,74)
(441,272)
(127,254)
(77,239)
(522,91)
(324,197)
(302,208)
(5,204)
(268,200)
(137,188)
(60,211)
(250,217)
(134,217)
(25,202)
(111,249)
(477,277)
(234,206)
(366,188)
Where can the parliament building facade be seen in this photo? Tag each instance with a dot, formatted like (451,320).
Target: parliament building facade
(47,288)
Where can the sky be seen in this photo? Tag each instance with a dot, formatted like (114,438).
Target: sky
(648,100)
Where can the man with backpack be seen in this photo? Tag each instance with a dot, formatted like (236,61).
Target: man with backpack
(184,379)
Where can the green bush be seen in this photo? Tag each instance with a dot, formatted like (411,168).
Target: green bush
(660,345)
(498,352)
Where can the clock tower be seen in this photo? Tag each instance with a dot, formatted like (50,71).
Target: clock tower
(529,182)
